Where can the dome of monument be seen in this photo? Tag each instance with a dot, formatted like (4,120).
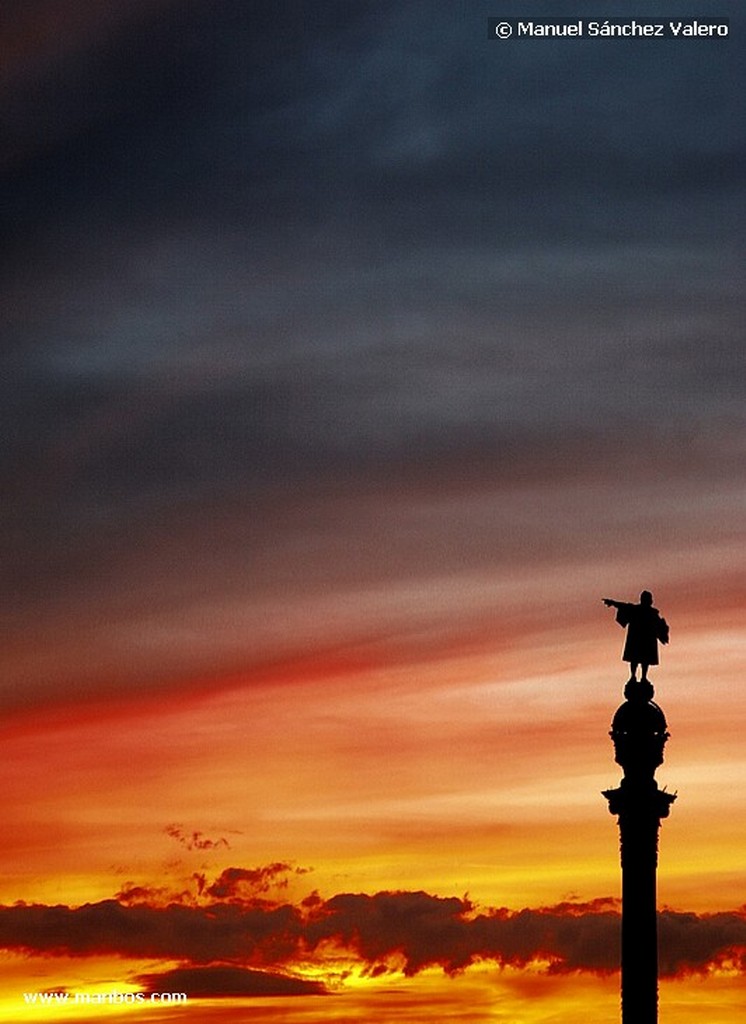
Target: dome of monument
(639,716)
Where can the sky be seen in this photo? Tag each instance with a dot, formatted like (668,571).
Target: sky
(350,359)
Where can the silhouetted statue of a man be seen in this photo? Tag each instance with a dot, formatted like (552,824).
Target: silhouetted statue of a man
(645,627)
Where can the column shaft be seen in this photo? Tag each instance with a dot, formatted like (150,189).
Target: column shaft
(639,848)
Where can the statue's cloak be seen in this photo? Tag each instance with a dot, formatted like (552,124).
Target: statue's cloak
(645,627)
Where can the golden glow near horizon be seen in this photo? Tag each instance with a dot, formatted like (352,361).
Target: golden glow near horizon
(480,994)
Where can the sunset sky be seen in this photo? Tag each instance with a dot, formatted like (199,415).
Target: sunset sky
(350,359)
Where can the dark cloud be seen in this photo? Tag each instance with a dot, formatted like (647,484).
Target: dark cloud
(689,943)
(195,840)
(242,886)
(131,893)
(246,883)
(388,931)
(259,252)
(200,935)
(228,982)
(416,930)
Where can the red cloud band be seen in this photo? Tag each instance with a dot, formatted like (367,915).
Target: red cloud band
(406,930)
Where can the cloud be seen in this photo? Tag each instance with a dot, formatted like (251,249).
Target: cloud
(245,883)
(690,943)
(415,930)
(195,840)
(385,932)
(331,274)
(247,887)
(221,931)
(228,982)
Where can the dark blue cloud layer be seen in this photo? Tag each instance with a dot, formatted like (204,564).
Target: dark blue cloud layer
(272,249)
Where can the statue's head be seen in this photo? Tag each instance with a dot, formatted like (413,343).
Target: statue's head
(646,598)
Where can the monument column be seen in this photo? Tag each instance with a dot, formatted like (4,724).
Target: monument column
(639,733)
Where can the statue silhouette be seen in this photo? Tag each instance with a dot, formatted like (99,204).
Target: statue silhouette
(645,627)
